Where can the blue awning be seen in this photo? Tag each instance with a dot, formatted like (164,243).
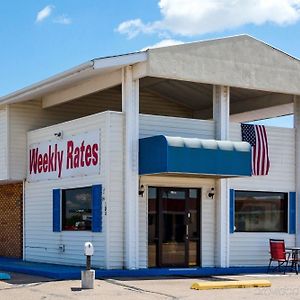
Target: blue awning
(163,154)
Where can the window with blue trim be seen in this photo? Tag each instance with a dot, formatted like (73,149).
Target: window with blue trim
(261,211)
(77,209)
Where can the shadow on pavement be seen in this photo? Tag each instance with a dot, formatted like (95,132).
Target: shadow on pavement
(18,278)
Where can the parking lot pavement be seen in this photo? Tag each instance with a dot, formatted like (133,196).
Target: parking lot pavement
(31,287)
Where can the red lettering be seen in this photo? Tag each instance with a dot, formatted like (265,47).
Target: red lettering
(82,148)
(40,163)
(70,147)
(88,155)
(33,160)
(95,149)
(76,157)
(60,155)
(45,162)
(50,160)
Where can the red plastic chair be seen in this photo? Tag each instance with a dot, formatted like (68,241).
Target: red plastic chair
(279,255)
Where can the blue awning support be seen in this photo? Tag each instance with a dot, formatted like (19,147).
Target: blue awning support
(163,154)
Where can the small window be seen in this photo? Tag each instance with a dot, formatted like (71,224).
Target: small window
(261,211)
(77,209)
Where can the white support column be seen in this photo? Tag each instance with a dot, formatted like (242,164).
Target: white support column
(130,107)
(297,164)
(221,100)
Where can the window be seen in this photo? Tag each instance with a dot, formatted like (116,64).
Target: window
(77,209)
(261,211)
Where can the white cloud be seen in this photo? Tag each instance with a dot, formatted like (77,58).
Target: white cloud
(44,13)
(194,17)
(163,43)
(63,19)
(132,28)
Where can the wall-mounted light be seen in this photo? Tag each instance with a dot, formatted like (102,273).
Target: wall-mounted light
(211,193)
(141,191)
(58,135)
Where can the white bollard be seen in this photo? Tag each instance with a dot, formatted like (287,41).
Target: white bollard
(88,276)
(87,279)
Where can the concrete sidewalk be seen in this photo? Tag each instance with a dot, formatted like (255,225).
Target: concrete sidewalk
(32,288)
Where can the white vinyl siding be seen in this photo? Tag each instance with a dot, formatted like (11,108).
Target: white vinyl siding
(41,243)
(252,248)
(281,178)
(172,126)
(3,143)
(30,115)
(151,125)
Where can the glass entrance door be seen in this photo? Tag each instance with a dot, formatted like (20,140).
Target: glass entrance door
(174,227)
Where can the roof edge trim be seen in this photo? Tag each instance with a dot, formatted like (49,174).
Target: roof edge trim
(22,93)
(85,69)
(120,60)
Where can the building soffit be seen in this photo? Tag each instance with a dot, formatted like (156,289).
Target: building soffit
(241,61)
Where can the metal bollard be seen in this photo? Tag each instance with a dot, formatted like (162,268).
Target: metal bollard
(88,276)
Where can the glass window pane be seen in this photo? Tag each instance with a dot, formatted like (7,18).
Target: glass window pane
(77,209)
(152,226)
(174,194)
(152,193)
(193,193)
(260,211)
(193,250)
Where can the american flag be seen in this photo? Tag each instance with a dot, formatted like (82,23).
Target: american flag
(256,136)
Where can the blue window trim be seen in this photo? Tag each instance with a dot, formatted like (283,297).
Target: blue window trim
(232,210)
(97,208)
(292,212)
(56,195)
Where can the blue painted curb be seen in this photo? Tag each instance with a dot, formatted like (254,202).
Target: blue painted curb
(4,276)
(62,272)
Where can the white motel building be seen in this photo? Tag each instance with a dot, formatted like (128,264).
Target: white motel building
(142,155)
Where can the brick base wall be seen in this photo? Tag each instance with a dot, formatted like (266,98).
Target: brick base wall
(11,220)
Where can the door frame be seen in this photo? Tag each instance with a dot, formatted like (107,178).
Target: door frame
(160,225)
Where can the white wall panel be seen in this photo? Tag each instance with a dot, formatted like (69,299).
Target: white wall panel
(3,143)
(281,177)
(30,116)
(253,248)
(172,126)
(41,243)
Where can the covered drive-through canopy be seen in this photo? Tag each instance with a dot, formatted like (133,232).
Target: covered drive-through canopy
(163,154)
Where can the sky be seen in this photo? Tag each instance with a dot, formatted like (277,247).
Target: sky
(41,38)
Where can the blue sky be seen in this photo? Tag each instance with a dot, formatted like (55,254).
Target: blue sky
(69,32)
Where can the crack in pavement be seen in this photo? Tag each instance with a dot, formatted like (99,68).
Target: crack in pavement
(136,289)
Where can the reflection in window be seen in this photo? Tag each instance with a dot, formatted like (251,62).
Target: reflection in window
(77,209)
(260,211)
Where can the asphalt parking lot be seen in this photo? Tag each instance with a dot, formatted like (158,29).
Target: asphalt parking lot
(31,287)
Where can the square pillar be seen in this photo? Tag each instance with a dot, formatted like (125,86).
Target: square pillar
(221,100)
(297,164)
(130,108)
